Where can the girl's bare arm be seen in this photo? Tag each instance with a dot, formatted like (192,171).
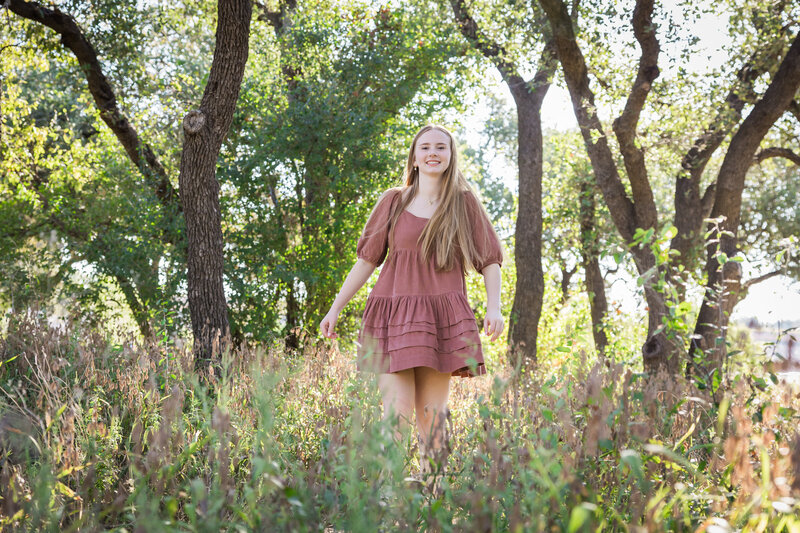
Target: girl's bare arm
(493,323)
(356,279)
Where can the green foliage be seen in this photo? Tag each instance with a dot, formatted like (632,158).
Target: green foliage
(319,134)
(565,169)
(771,217)
(326,111)
(81,226)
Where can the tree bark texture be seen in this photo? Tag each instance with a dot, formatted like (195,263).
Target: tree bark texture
(644,204)
(577,78)
(593,276)
(526,310)
(205,129)
(724,279)
(626,213)
(139,309)
(566,281)
(777,151)
(528,96)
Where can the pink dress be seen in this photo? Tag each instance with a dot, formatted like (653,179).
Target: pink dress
(416,316)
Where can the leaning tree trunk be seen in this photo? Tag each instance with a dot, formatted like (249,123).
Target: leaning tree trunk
(205,128)
(628,212)
(724,276)
(73,38)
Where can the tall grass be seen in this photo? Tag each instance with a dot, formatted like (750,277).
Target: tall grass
(103,436)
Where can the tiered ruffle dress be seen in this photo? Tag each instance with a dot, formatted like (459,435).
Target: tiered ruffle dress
(416,316)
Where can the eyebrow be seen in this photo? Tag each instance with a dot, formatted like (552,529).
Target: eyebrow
(427,143)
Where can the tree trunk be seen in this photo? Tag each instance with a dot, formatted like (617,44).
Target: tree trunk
(724,276)
(138,151)
(529,291)
(291,340)
(595,284)
(205,129)
(691,205)
(139,310)
(626,213)
(566,280)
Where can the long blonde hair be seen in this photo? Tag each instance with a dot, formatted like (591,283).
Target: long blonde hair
(447,235)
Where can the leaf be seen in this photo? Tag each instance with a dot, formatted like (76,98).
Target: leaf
(65,490)
(633,461)
(58,414)
(646,276)
(580,515)
(666,453)
(7,360)
(668,232)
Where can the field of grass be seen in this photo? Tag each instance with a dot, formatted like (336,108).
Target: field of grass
(98,435)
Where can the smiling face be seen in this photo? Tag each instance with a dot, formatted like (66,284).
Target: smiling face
(432,152)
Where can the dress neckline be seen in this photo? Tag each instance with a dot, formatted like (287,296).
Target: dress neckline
(416,216)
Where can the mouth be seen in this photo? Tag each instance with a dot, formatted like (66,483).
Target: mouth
(433,163)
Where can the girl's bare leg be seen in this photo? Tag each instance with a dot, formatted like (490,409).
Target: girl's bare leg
(397,390)
(432,391)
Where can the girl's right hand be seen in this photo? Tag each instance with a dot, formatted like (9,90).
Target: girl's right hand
(328,324)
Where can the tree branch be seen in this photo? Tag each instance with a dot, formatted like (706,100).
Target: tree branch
(776,151)
(548,62)
(496,53)
(280,22)
(690,207)
(707,201)
(140,154)
(767,110)
(764,277)
(625,125)
(273,18)
(489,48)
(276,19)
(576,75)
(695,160)
(730,184)
(743,289)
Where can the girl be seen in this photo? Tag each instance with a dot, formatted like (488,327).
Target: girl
(418,328)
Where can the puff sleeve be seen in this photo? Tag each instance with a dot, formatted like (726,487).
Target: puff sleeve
(374,242)
(487,243)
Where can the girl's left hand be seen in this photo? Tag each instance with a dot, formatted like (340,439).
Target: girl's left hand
(493,324)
